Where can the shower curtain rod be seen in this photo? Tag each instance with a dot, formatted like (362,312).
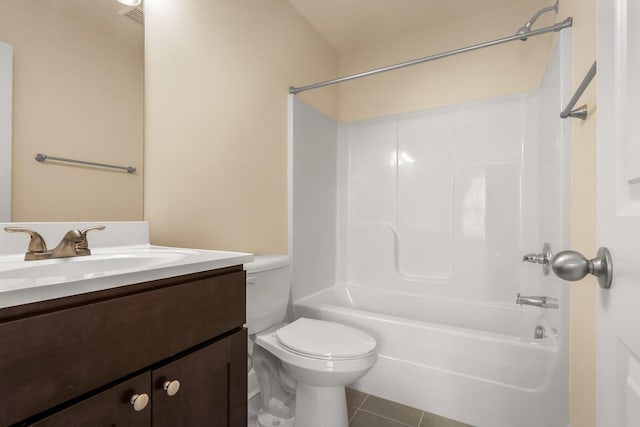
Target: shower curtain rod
(553,28)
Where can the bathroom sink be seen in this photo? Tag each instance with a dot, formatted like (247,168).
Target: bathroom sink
(19,274)
(121,255)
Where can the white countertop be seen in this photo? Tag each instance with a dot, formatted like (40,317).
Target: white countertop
(121,255)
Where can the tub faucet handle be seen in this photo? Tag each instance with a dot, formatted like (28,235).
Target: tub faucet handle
(534,258)
(543,258)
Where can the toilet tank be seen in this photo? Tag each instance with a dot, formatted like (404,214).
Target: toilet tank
(268,285)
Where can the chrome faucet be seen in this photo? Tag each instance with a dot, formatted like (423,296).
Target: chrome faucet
(539,301)
(74,243)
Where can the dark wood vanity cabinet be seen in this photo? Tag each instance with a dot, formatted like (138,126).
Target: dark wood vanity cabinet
(111,407)
(207,395)
(79,361)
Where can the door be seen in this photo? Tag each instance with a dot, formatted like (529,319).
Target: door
(205,388)
(618,309)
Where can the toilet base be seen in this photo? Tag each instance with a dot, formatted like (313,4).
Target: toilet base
(265,419)
(321,406)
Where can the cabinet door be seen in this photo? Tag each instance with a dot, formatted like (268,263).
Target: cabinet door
(109,408)
(212,387)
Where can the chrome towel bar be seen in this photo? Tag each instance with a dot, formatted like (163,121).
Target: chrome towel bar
(580,112)
(42,157)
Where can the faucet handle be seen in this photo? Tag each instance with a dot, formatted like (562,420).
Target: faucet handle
(543,258)
(36,243)
(83,246)
(96,227)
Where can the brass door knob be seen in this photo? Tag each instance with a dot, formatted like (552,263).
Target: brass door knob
(171,387)
(139,401)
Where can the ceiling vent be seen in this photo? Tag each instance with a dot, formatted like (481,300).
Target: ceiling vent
(133,14)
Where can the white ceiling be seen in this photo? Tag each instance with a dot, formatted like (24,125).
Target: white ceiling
(348,24)
(345,24)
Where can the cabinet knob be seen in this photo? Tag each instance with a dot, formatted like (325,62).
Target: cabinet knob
(139,401)
(171,387)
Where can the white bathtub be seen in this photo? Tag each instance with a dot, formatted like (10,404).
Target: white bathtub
(474,362)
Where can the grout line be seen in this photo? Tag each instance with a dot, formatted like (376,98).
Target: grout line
(359,406)
(386,418)
(352,415)
(363,400)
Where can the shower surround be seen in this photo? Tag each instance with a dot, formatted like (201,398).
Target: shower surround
(412,228)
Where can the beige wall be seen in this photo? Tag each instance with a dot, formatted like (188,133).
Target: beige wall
(487,73)
(497,71)
(582,385)
(216,118)
(78,94)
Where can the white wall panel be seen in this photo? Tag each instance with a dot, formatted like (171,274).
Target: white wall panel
(372,170)
(444,201)
(313,199)
(425,165)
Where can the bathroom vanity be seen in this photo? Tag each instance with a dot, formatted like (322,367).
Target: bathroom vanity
(170,351)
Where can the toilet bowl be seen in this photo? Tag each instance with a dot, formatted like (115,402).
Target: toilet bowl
(301,367)
(321,357)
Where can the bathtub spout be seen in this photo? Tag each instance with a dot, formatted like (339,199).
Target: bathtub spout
(539,301)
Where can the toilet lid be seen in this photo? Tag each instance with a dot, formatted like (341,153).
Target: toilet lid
(325,340)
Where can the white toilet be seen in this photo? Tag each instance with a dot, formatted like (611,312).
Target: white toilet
(302,367)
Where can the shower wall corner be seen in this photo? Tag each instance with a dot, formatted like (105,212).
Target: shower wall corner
(312,190)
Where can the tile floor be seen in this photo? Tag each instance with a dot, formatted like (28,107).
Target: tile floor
(366,410)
